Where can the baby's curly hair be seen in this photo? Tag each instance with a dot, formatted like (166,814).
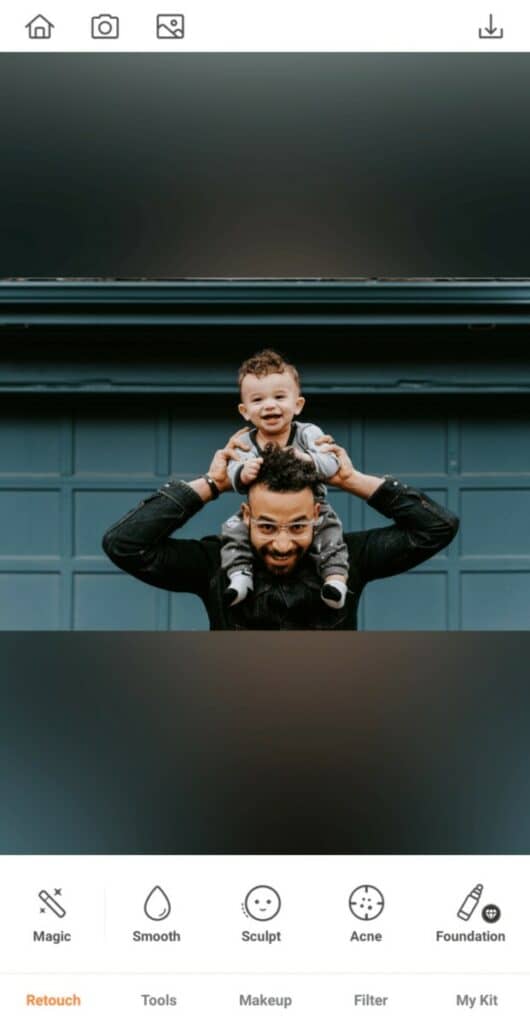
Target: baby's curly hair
(282,470)
(265,362)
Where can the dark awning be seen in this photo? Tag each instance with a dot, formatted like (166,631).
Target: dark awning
(97,301)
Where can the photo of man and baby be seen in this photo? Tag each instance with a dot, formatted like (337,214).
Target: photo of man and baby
(283,562)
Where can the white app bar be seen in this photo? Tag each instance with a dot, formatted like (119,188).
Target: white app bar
(237,25)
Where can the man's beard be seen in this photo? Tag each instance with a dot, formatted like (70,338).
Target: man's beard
(278,569)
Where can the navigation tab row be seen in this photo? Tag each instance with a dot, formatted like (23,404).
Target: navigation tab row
(290,998)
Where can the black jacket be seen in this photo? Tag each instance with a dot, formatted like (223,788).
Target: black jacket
(141,544)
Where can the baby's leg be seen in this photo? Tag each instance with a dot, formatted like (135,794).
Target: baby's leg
(330,553)
(236,559)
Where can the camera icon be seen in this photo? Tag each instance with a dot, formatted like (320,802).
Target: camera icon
(105,26)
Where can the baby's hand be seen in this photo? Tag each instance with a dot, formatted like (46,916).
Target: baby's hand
(250,470)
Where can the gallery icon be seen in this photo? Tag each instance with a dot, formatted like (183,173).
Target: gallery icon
(39,27)
(262,903)
(366,902)
(157,906)
(51,902)
(170,26)
(105,26)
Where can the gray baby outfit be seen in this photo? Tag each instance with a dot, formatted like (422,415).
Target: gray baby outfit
(328,549)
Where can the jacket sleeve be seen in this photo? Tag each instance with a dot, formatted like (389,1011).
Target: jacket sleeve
(326,463)
(140,542)
(421,529)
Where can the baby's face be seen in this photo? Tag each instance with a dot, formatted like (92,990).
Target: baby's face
(270,403)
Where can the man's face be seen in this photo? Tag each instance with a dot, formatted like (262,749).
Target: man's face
(295,511)
(270,403)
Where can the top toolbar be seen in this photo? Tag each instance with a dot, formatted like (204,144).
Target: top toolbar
(300,25)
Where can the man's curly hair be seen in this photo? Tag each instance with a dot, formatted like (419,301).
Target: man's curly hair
(263,363)
(282,471)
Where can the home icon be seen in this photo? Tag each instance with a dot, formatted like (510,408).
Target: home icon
(39,27)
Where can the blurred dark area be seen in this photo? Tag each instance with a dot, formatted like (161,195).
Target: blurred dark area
(208,744)
(264,165)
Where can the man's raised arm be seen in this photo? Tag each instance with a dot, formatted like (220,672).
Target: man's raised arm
(421,527)
(140,542)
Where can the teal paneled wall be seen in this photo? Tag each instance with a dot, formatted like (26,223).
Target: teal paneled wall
(71,468)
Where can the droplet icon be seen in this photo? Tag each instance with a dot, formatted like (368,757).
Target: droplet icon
(157,906)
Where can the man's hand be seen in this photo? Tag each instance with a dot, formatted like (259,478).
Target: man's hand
(346,472)
(347,477)
(250,470)
(219,465)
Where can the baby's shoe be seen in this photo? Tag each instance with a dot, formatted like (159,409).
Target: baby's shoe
(240,585)
(333,593)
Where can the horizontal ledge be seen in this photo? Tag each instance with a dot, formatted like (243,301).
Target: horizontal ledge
(509,566)
(121,389)
(266,302)
(270,289)
(155,318)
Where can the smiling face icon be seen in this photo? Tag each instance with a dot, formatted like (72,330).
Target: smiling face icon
(262,903)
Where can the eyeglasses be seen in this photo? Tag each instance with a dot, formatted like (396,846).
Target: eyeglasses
(273,529)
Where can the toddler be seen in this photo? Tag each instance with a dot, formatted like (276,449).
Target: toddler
(270,401)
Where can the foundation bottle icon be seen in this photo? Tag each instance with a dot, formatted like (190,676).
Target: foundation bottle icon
(470,903)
